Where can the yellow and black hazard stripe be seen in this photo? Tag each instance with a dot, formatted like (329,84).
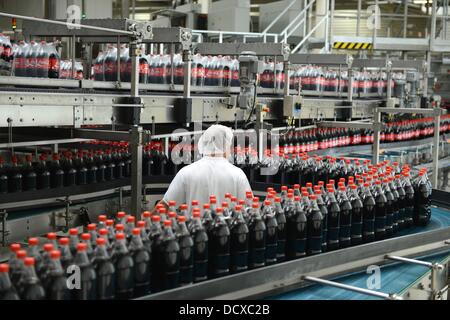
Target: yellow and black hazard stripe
(353,45)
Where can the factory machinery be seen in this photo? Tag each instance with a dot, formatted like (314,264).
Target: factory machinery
(64,112)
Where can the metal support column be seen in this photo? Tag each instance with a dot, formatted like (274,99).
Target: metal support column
(376,136)
(433,24)
(187,60)
(134,56)
(136,145)
(286,66)
(405,19)
(350,85)
(387,296)
(358,18)
(437,128)
(330,32)
(4,231)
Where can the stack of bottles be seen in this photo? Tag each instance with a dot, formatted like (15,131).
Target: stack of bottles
(5,55)
(173,247)
(66,70)
(81,167)
(35,60)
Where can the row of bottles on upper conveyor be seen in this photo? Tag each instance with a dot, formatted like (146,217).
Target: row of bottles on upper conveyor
(78,167)
(125,258)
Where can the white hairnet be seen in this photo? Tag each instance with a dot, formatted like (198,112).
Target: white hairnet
(216,139)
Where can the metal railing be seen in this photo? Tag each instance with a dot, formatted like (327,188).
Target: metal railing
(222,34)
(308,36)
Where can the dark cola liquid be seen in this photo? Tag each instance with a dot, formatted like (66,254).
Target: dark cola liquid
(124,276)
(296,234)
(345,223)
(380,215)
(401,207)
(422,202)
(239,242)
(409,205)
(368,214)
(315,231)
(169,262)
(186,258)
(357,220)
(200,238)
(271,239)
(334,214)
(219,245)
(281,235)
(106,282)
(389,213)
(257,243)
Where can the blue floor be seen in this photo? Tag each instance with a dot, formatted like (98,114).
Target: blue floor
(394,278)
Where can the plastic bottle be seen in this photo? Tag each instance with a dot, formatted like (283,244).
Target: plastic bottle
(168,248)
(395,204)
(389,208)
(73,240)
(30,59)
(219,246)
(409,199)
(334,215)
(270,221)
(110,64)
(315,227)
(357,215)
(86,238)
(53,61)
(19,63)
(88,281)
(200,252)
(30,285)
(142,264)
(124,264)
(239,242)
(380,211)
(55,281)
(57,173)
(186,244)
(16,264)
(257,238)
(66,254)
(7,290)
(33,251)
(15,177)
(422,202)
(368,214)
(105,271)
(296,221)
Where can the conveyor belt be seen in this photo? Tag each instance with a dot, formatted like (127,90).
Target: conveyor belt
(394,278)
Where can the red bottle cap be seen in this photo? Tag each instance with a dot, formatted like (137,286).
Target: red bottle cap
(181,218)
(277,199)
(51,236)
(110,222)
(172,203)
(55,254)
(103,232)
(353,187)
(194,203)
(313,197)
(156,218)
(14,247)
(270,189)
(290,195)
(241,202)
(330,190)
(121,214)
(167,223)
(305,194)
(4,268)
(225,204)
(267,203)
(120,236)
(206,206)
(92,227)
(120,227)
(290,191)
(196,214)
(227,195)
(63,241)
(255,205)
(319,192)
(140,224)
(234,199)
(309,185)
(101,241)
(284,188)
(146,214)
(342,188)
(33,242)
(81,246)
(377,182)
(102,218)
(21,254)
(86,236)
(238,207)
(297,198)
(136,231)
(214,200)
(296,186)
(29,261)
(219,210)
(172,214)
(48,247)
(321,183)
(131,219)
(162,210)
(255,199)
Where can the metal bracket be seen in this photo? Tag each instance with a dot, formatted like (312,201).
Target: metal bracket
(78,116)
(4,231)
(67,217)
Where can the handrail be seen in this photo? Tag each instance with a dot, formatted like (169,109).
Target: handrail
(302,13)
(279,17)
(325,17)
(221,33)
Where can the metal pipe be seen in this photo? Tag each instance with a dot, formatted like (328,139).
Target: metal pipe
(358,17)
(330,23)
(368,292)
(136,170)
(67,24)
(433,23)
(376,136)
(187,67)
(405,20)
(412,261)
(435,154)
(73,55)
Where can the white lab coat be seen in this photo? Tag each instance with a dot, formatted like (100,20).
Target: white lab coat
(205,177)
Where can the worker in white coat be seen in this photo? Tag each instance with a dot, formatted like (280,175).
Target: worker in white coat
(213,174)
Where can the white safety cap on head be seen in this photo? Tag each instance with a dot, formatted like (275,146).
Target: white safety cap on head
(217,139)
